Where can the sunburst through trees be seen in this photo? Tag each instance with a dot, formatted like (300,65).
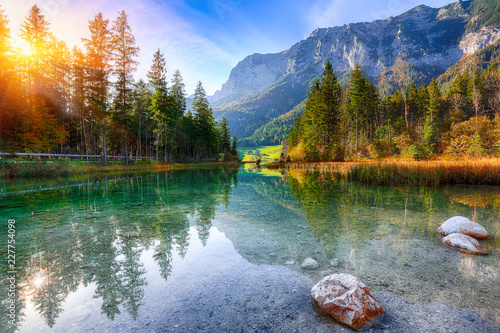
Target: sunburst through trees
(58,99)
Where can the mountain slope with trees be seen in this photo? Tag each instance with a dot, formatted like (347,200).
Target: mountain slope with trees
(261,88)
(354,121)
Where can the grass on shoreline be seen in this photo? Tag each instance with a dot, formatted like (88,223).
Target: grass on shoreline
(392,172)
(29,168)
(267,152)
(413,173)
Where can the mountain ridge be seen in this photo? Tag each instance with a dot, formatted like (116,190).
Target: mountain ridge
(262,87)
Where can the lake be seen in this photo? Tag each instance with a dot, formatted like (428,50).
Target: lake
(220,250)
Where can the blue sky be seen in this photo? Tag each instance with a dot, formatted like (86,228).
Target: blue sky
(205,39)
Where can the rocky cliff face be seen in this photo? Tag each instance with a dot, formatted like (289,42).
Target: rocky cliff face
(255,73)
(432,39)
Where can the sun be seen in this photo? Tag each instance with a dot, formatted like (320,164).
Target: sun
(23,47)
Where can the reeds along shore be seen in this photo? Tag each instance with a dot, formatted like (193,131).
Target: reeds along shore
(24,168)
(413,173)
(63,168)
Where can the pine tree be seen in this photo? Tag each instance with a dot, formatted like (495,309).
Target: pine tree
(178,106)
(294,135)
(188,130)
(7,117)
(98,54)
(207,140)
(357,98)
(330,97)
(311,136)
(59,77)
(459,95)
(402,78)
(234,147)
(422,102)
(35,31)
(178,94)
(225,139)
(413,102)
(476,91)
(78,101)
(159,99)
(435,102)
(141,105)
(428,143)
(124,54)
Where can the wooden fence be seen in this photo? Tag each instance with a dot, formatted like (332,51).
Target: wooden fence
(69,155)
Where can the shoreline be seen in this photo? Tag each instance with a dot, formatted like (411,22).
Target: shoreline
(26,169)
(435,173)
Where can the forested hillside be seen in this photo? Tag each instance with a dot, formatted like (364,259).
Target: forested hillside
(353,120)
(263,87)
(67,100)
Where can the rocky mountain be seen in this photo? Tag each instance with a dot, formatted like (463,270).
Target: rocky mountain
(263,87)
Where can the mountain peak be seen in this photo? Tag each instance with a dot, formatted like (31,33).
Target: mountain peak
(264,86)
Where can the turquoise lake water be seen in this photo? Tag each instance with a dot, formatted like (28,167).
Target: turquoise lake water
(197,249)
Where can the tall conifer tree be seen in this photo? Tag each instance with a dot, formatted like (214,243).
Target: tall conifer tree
(124,53)
(98,54)
(207,139)
(159,99)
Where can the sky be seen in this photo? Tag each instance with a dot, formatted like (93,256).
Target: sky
(205,39)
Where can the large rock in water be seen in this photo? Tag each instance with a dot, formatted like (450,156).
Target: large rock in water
(348,300)
(462,225)
(464,243)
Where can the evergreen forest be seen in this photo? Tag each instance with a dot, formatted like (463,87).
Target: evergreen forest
(458,118)
(57,99)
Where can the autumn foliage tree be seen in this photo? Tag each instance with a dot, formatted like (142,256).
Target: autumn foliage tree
(428,121)
(54,98)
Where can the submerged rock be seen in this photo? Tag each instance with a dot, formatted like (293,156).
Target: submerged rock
(310,263)
(464,243)
(462,225)
(348,300)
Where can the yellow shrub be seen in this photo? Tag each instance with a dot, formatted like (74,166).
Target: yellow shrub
(298,153)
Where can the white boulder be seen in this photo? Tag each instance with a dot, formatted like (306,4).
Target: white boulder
(464,243)
(462,225)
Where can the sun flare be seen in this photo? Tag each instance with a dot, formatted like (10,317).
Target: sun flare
(38,282)
(23,47)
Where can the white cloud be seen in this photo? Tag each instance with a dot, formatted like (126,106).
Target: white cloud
(197,57)
(325,13)
(155,25)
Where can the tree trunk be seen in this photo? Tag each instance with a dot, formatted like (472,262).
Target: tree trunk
(126,153)
(84,137)
(165,148)
(157,142)
(406,108)
(357,130)
(104,148)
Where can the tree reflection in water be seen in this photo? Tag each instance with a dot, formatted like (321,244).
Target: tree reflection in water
(95,233)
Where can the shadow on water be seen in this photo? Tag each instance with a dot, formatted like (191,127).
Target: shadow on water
(98,232)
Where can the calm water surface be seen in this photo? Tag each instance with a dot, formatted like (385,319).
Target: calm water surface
(207,249)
